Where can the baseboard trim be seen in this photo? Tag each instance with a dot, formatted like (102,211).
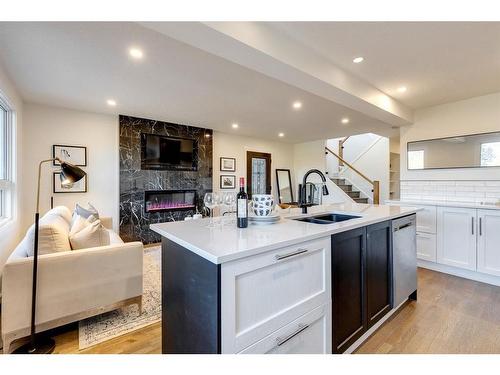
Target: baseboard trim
(466,274)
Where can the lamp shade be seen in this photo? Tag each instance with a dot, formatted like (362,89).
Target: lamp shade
(70,173)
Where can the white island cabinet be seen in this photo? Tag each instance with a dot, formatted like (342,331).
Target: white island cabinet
(274,294)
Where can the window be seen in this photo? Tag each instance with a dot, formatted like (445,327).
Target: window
(416,159)
(490,154)
(6,139)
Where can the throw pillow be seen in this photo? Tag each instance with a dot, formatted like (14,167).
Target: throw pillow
(93,235)
(86,212)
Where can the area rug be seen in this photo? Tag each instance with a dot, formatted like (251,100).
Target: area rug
(106,326)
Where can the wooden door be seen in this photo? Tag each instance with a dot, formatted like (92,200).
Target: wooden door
(258,173)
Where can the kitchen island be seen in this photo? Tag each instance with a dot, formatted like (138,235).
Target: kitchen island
(289,287)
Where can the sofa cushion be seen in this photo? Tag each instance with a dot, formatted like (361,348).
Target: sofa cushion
(92,235)
(52,235)
(62,211)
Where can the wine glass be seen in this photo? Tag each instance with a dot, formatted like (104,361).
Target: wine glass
(229,199)
(211,200)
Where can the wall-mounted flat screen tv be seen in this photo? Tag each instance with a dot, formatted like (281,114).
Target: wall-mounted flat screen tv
(168,153)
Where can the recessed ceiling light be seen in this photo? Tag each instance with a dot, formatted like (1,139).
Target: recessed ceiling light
(357,60)
(235,126)
(111,102)
(402,89)
(345,120)
(281,134)
(297,105)
(136,53)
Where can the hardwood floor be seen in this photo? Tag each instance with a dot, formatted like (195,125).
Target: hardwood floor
(452,315)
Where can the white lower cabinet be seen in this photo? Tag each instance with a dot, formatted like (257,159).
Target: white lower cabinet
(456,237)
(426,246)
(426,219)
(310,334)
(266,292)
(488,242)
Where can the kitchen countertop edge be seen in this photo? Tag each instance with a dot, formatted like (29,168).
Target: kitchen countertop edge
(330,229)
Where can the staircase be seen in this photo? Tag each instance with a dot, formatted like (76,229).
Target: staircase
(355,195)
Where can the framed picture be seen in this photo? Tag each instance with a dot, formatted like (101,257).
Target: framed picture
(227,182)
(228,164)
(77,187)
(76,155)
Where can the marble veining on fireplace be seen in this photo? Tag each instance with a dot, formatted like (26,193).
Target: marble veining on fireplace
(134,182)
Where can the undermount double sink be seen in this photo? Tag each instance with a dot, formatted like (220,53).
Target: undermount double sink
(327,218)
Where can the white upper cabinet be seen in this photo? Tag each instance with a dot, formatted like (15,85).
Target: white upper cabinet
(456,237)
(488,242)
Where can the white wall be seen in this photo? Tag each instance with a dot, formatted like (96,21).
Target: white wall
(309,155)
(45,126)
(369,153)
(235,146)
(10,232)
(476,115)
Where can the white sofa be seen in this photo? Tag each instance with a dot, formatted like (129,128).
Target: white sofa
(72,285)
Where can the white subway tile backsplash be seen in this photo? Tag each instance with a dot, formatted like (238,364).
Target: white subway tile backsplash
(455,191)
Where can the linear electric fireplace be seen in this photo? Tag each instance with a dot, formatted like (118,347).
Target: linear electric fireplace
(168,200)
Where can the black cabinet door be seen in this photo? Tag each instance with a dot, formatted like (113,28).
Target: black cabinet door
(378,271)
(348,279)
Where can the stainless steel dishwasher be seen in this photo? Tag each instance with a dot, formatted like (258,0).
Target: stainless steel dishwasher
(404,259)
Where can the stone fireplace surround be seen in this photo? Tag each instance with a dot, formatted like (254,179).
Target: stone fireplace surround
(134,182)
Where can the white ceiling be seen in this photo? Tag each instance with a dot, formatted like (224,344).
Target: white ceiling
(81,65)
(439,62)
(251,73)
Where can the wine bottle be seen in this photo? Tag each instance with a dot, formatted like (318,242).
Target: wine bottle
(242,206)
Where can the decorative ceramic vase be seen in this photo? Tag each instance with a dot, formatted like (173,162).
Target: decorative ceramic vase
(262,204)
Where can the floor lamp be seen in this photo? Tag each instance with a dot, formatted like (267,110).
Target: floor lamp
(41,344)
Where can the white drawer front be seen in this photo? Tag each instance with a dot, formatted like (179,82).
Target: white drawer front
(310,334)
(426,246)
(426,219)
(263,293)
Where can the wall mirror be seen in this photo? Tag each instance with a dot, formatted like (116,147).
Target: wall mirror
(469,151)
(284,182)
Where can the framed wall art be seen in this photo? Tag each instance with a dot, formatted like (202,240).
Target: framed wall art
(77,187)
(227,164)
(76,155)
(227,182)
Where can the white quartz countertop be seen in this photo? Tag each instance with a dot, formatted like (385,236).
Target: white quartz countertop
(227,243)
(486,206)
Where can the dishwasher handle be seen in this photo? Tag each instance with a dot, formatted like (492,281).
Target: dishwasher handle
(403,226)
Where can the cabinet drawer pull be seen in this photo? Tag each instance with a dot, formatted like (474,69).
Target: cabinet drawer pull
(281,341)
(472,225)
(292,254)
(480,226)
